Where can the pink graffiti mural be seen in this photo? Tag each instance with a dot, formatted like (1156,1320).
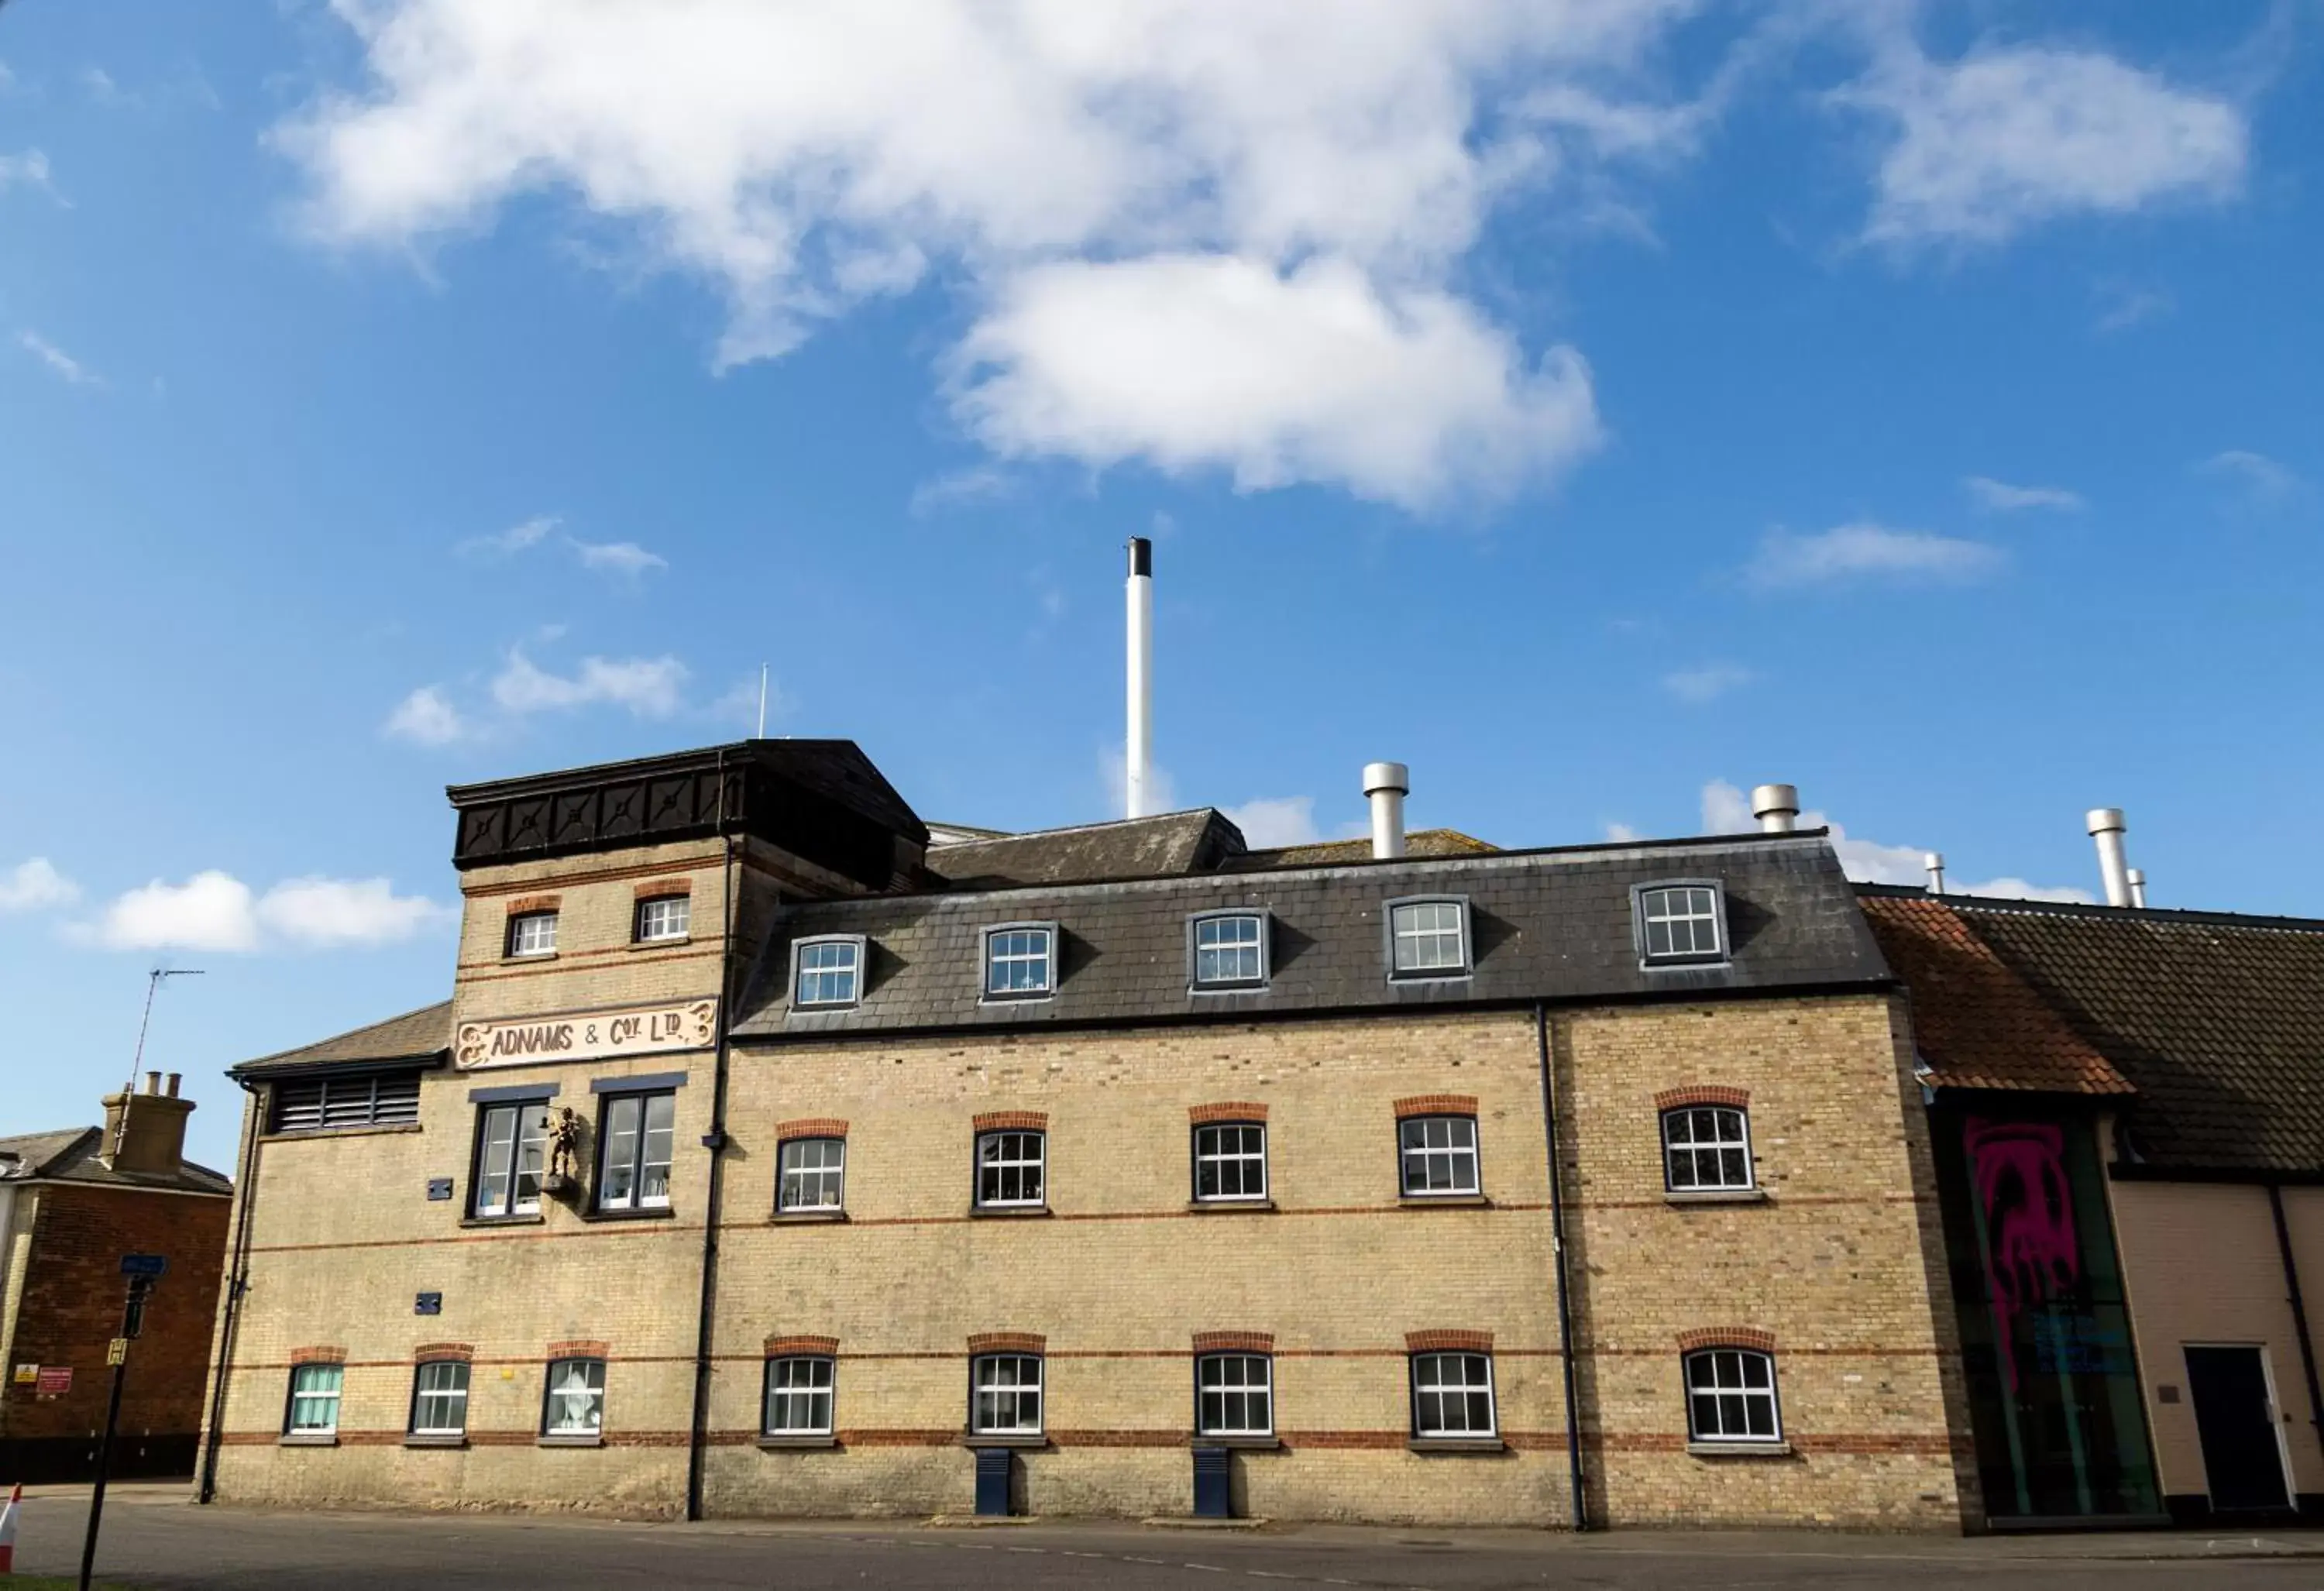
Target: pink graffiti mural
(2031,1253)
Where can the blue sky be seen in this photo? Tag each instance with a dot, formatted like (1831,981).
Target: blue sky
(1598,408)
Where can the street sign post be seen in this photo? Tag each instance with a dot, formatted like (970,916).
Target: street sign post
(143,1270)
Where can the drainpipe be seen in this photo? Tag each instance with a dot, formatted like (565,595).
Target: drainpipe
(237,1281)
(2299,1308)
(1557,1248)
(714,1140)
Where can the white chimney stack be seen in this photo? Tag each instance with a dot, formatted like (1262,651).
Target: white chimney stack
(1777,807)
(1935,862)
(2105,827)
(1386,785)
(2138,876)
(1138,755)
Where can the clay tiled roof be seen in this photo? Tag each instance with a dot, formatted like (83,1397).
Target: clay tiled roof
(420,1036)
(1976,1023)
(72,1155)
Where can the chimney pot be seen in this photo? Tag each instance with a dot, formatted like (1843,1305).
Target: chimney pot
(170,1084)
(152,1082)
(2105,826)
(1777,807)
(1386,785)
(2137,879)
(1935,862)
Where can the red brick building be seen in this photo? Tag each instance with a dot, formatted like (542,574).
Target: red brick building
(72,1204)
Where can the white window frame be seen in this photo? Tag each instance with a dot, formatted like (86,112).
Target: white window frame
(1263,926)
(1239,1157)
(639,1149)
(1262,1391)
(552,1393)
(1038,1161)
(1451,1153)
(648,931)
(1397,933)
(992,957)
(514,1202)
(858,948)
(979,1388)
(457,1396)
(821,1175)
(519,923)
(335,1374)
(1717,1147)
(1428,1371)
(1643,900)
(795,1394)
(1720,1391)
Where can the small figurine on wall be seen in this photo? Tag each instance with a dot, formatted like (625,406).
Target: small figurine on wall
(565,1130)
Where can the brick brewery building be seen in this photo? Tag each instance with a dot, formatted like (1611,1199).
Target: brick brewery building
(770,1160)
(72,1203)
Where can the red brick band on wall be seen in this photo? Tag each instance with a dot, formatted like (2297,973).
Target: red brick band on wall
(1436,1105)
(1703,1094)
(1727,1337)
(532,903)
(811,1127)
(318,1356)
(661,889)
(1007,1342)
(1012,1121)
(1448,1341)
(428,1351)
(777,1346)
(1237,1342)
(1226,1110)
(576,1348)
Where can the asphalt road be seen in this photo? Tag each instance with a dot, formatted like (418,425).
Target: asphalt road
(154,1539)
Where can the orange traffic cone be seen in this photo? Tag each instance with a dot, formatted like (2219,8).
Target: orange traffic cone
(8,1531)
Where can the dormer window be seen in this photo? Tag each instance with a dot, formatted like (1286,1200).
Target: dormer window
(1428,938)
(1229,949)
(1681,922)
(1020,961)
(827,972)
(532,934)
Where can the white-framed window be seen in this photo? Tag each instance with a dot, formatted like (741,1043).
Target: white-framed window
(314,1400)
(633,1166)
(1229,1161)
(1685,922)
(1010,1167)
(1730,1396)
(1706,1148)
(1428,938)
(574,1404)
(1229,950)
(1452,1395)
(1005,1394)
(1439,1154)
(813,1174)
(532,934)
(1020,961)
(1234,1394)
(799,1395)
(664,917)
(828,972)
(440,1398)
(512,1151)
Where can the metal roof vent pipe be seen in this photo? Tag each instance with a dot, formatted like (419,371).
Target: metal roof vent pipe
(2105,826)
(1386,785)
(1777,807)
(1137,752)
(2138,876)
(1935,862)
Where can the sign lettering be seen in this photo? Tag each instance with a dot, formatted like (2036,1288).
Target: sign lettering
(680,1025)
(55,1380)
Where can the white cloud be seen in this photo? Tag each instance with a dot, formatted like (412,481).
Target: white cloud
(1621,834)
(508,543)
(30,170)
(623,558)
(1190,361)
(2264,480)
(2005,138)
(426,718)
(31,886)
(215,911)
(960,488)
(1696,686)
(72,371)
(2001,497)
(1867,551)
(1726,810)
(648,687)
(2123,308)
(1287,820)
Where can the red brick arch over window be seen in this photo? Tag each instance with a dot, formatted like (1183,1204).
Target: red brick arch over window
(317,1355)
(1226,1110)
(1012,1121)
(432,1352)
(1703,1094)
(1234,1342)
(576,1348)
(1007,1342)
(532,903)
(1727,1337)
(1445,1341)
(779,1346)
(663,888)
(811,1127)
(1436,1105)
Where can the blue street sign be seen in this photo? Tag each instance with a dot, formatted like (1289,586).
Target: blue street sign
(143,1265)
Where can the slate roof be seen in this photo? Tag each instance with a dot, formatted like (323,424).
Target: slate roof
(422,1037)
(1174,843)
(1547,924)
(2217,1020)
(70,1156)
(1419,842)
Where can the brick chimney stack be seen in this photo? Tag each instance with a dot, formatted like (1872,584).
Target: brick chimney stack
(145,1131)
